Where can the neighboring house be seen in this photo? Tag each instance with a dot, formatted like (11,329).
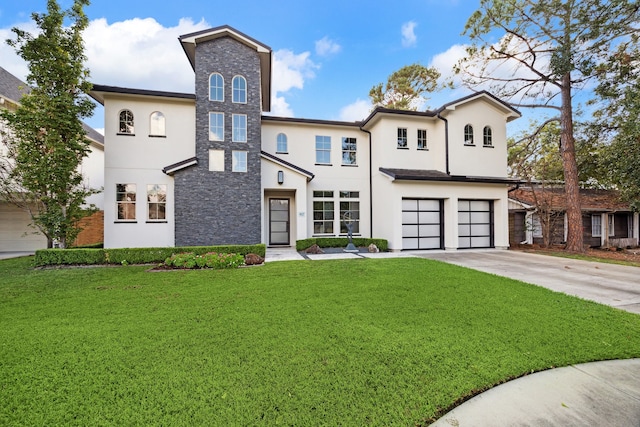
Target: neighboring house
(210,168)
(607,221)
(15,232)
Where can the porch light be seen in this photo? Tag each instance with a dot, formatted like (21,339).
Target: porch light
(280,177)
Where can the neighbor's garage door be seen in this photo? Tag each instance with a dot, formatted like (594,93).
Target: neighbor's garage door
(475,224)
(422,224)
(13,225)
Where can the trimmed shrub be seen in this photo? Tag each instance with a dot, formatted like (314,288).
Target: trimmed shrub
(339,242)
(209,260)
(125,256)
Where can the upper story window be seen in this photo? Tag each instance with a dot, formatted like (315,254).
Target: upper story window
(239,90)
(323,150)
(281,143)
(125,125)
(468,135)
(422,139)
(157,124)
(239,132)
(216,87)
(487,138)
(238,161)
(349,151)
(402,138)
(216,126)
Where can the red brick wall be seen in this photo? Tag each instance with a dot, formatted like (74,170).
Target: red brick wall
(92,230)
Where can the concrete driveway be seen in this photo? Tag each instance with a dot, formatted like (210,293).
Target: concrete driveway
(610,284)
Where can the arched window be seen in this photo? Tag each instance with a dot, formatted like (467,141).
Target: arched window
(216,87)
(487,139)
(239,90)
(125,122)
(281,143)
(468,135)
(157,124)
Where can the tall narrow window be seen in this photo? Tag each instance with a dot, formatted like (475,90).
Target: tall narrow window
(156,202)
(157,124)
(239,133)
(323,212)
(468,135)
(126,202)
(216,87)
(281,143)
(125,122)
(216,127)
(487,138)
(402,138)
(349,151)
(422,139)
(239,90)
(596,225)
(323,150)
(239,161)
(350,206)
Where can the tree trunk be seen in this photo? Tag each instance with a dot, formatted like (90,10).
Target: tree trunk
(571,183)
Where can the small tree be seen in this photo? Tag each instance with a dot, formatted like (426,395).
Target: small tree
(406,88)
(45,141)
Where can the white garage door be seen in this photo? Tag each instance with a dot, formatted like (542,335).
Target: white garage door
(422,224)
(475,224)
(13,226)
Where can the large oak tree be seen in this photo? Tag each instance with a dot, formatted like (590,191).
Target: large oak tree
(537,54)
(44,138)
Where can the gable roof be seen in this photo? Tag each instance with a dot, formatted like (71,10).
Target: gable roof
(591,200)
(291,166)
(13,89)
(190,41)
(505,107)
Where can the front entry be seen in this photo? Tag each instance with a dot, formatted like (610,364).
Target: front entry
(279,222)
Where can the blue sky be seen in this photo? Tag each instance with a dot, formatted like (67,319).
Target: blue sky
(327,55)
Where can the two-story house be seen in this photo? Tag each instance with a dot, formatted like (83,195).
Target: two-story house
(210,168)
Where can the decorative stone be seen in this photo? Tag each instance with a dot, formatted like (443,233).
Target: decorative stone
(253,259)
(373,248)
(314,249)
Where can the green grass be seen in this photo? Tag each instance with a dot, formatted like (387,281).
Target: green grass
(352,342)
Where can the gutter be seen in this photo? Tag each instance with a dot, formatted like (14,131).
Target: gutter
(446,141)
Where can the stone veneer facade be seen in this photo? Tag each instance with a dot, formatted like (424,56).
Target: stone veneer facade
(216,208)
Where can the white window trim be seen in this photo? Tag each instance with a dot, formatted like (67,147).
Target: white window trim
(323,149)
(222,77)
(234,128)
(246,89)
(234,162)
(285,142)
(222,126)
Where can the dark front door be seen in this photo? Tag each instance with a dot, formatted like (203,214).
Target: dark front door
(278,221)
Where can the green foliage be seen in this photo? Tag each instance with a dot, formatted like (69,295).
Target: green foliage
(340,242)
(45,139)
(126,256)
(406,88)
(209,260)
(390,342)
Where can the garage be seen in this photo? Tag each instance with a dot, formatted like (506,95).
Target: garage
(15,233)
(475,224)
(422,224)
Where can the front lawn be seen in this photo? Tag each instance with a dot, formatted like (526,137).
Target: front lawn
(350,342)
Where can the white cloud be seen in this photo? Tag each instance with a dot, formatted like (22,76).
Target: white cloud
(10,60)
(289,72)
(140,53)
(408,35)
(356,111)
(325,46)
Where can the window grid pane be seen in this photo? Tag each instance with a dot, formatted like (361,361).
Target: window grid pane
(216,127)
(239,90)
(468,135)
(402,137)
(323,150)
(422,139)
(281,143)
(216,87)
(349,151)
(126,122)
(156,201)
(487,137)
(239,161)
(157,124)
(126,201)
(239,133)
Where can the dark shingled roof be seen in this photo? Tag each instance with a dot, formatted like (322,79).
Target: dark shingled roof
(590,199)
(434,175)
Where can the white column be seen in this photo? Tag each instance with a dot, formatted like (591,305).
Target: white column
(528,226)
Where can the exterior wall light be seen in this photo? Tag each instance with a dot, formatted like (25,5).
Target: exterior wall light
(280,177)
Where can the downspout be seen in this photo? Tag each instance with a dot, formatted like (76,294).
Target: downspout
(370,184)
(446,142)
